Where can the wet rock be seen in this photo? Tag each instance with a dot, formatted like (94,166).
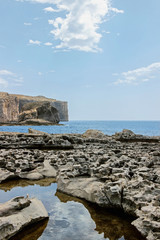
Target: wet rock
(18,213)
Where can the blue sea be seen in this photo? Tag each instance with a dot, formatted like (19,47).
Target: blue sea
(150,128)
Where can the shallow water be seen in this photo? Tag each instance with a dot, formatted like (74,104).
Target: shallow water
(69,218)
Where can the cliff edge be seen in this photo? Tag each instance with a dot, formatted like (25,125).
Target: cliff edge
(11,106)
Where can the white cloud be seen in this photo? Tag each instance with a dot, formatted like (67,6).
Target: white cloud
(48,44)
(27,24)
(34,42)
(78,29)
(116,10)
(107,32)
(78,26)
(6,73)
(139,75)
(50,9)
(44,1)
(8,77)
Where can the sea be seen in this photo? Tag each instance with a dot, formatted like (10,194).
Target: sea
(149,128)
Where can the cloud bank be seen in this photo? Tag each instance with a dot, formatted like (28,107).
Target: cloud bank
(139,75)
(78,24)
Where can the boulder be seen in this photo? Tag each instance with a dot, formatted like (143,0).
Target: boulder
(129,136)
(126,134)
(18,213)
(34,131)
(39,110)
(92,133)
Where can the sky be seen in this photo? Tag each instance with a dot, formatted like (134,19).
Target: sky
(101,56)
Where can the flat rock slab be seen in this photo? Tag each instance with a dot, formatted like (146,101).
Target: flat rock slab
(18,213)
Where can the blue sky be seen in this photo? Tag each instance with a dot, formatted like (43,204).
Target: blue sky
(101,56)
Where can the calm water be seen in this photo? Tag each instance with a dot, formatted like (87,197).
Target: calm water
(69,218)
(150,128)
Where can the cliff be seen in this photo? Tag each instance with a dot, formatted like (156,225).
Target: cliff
(11,106)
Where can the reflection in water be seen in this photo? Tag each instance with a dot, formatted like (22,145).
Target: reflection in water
(8,185)
(32,232)
(69,218)
(114,226)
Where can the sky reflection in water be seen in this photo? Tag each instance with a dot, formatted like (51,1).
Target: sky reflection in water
(69,218)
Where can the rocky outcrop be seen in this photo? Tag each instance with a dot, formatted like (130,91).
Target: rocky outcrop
(129,136)
(93,134)
(39,110)
(19,213)
(11,106)
(107,170)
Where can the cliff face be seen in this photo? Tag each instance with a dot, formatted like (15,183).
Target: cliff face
(9,108)
(39,110)
(11,105)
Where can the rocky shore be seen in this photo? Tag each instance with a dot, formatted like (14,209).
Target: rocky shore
(120,171)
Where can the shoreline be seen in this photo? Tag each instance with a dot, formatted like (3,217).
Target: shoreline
(40,124)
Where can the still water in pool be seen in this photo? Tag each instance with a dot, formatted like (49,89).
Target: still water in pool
(69,218)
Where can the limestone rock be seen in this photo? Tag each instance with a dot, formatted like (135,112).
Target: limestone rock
(91,133)
(87,188)
(128,135)
(31,130)
(39,110)
(36,122)
(19,213)
(111,172)
(9,108)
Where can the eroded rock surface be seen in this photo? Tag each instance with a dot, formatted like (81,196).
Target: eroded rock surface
(19,213)
(39,110)
(112,171)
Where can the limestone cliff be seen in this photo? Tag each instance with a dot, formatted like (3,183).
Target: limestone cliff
(39,110)
(11,106)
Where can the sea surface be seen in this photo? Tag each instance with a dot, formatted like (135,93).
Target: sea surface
(150,128)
